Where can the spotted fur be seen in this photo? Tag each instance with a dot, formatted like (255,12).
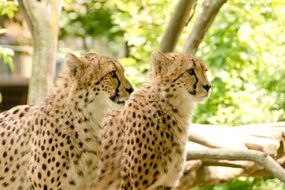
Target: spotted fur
(55,145)
(143,145)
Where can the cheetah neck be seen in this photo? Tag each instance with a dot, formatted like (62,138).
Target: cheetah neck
(63,102)
(177,102)
(75,118)
(66,100)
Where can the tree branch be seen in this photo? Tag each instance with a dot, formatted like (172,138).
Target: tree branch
(209,11)
(226,163)
(223,154)
(176,24)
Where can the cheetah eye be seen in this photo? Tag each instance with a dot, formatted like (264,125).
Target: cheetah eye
(114,75)
(191,71)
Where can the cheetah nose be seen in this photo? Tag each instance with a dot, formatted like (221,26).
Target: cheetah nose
(207,87)
(129,90)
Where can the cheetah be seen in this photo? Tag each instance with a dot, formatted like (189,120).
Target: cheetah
(55,145)
(143,144)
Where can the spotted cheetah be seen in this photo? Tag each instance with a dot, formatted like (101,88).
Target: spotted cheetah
(143,145)
(55,145)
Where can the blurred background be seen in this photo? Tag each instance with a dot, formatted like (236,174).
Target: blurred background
(244,49)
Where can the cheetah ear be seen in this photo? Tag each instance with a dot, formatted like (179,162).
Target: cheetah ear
(74,64)
(159,61)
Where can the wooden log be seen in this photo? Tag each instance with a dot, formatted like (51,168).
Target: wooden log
(221,165)
(269,146)
(261,158)
(268,140)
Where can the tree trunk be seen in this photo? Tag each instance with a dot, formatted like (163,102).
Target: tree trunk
(42,18)
(209,11)
(176,24)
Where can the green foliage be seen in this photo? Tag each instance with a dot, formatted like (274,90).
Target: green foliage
(248,184)
(87,19)
(236,184)
(143,23)
(9,9)
(6,55)
(245,51)
(268,184)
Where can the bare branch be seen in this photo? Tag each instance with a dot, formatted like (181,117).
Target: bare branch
(226,163)
(176,24)
(209,11)
(223,154)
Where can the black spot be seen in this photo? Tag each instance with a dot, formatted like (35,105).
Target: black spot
(146,172)
(15,111)
(44,167)
(39,175)
(71,182)
(6,170)
(145,182)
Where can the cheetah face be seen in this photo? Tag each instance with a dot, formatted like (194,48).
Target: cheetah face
(196,81)
(100,77)
(185,74)
(115,86)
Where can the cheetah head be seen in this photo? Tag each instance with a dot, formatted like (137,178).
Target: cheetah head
(181,74)
(97,82)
